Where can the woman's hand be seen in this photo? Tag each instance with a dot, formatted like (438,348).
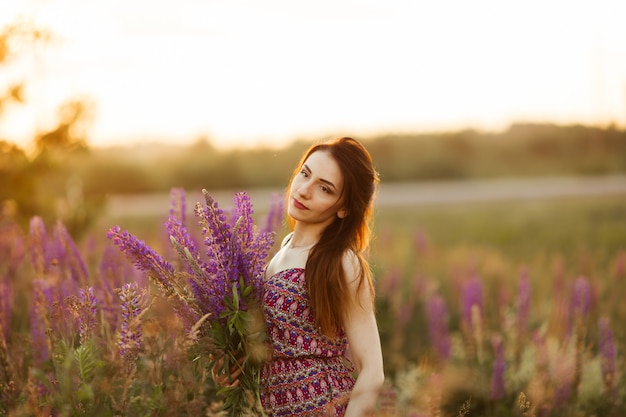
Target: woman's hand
(223,378)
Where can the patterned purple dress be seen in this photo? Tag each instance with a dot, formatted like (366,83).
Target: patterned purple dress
(309,374)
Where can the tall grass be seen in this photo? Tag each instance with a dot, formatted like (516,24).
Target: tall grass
(504,309)
(488,302)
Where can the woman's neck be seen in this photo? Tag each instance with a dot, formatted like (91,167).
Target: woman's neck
(304,237)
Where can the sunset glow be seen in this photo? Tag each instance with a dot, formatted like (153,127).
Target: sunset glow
(243,73)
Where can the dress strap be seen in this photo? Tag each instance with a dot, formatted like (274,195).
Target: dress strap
(286,240)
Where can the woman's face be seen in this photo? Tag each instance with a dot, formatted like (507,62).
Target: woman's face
(314,196)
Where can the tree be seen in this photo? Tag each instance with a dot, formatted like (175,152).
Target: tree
(45,185)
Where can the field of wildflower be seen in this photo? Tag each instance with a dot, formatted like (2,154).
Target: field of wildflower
(487,310)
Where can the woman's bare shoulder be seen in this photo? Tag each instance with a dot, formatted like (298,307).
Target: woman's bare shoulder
(351,265)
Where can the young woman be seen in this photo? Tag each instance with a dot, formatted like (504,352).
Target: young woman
(318,292)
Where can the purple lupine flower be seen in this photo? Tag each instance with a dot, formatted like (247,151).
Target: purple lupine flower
(38,245)
(274,215)
(143,257)
(12,248)
(217,234)
(158,269)
(438,327)
(523,301)
(72,256)
(216,230)
(242,218)
(607,356)
(130,340)
(177,231)
(176,227)
(114,272)
(89,312)
(178,205)
(255,258)
(499,369)
(392,282)
(112,268)
(472,295)
(253,248)
(38,323)
(233,251)
(581,298)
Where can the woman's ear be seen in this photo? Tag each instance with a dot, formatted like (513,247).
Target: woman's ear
(342,213)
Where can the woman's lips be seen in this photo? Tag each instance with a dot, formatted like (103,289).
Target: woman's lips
(299,205)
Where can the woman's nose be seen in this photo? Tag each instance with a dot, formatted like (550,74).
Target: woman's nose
(304,190)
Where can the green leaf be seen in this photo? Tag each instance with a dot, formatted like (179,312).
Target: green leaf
(86,360)
(193,263)
(247,290)
(235,296)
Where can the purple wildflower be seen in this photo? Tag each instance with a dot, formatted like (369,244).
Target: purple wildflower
(178,232)
(242,219)
(437,326)
(232,253)
(39,322)
(178,205)
(499,369)
(88,319)
(176,227)
(157,269)
(217,233)
(12,248)
(144,257)
(38,245)
(472,295)
(523,301)
(225,283)
(130,341)
(392,282)
(114,271)
(72,256)
(275,214)
(252,247)
(607,356)
(581,298)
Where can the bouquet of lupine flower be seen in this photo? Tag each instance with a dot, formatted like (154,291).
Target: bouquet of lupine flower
(215,292)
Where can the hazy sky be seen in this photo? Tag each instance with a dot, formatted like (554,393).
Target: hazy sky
(243,72)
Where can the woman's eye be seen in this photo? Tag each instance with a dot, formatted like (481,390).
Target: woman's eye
(304,173)
(325,189)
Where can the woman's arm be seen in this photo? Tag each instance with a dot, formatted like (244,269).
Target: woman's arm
(362,332)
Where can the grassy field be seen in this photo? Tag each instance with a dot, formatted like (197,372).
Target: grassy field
(520,230)
(478,304)
(433,251)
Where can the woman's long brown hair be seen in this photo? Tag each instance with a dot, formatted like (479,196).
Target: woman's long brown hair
(324,274)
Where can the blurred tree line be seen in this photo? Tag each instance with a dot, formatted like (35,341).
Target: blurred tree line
(67,180)
(65,168)
(521,150)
